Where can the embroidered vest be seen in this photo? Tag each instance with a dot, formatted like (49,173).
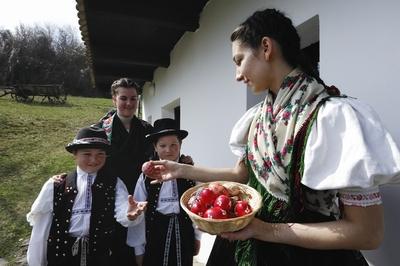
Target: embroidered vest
(153,191)
(101,220)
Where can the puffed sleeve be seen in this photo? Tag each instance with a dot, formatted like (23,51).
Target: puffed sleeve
(239,134)
(349,148)
(121,206)
(136,236)
(40,217)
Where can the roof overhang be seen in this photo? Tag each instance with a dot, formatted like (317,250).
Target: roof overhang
(132,38)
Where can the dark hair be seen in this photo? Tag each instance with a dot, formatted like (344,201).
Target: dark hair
(274,24)
(124,83)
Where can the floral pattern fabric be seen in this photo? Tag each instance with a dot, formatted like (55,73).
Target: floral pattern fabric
(274,128)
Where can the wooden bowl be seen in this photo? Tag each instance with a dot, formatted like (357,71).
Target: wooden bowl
(217,226)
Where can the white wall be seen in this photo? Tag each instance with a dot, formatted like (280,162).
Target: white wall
(202,76)
(358,54)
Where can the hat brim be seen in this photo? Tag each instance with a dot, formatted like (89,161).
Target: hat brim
(71,147)
(180,133)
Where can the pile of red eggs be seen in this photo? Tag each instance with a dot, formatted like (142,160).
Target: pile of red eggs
(218,202)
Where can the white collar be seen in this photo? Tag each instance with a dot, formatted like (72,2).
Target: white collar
(80,172)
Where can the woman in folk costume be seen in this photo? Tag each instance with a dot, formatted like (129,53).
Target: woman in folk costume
(316,157)
(167,237)
(73,219)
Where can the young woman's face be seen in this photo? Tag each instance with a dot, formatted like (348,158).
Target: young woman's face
(168,147)
(90,160)
(251,66)
(126,101)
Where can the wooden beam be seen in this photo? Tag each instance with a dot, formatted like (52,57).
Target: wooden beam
(130,56)
(111,78)
(180,15)
(103,82)
(123,71)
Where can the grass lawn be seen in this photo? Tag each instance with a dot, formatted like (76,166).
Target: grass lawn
(32,141)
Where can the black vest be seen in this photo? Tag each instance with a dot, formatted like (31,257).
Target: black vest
(157,227)
(101,220)
(153,191)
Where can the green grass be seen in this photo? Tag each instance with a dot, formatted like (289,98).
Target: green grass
(32,141)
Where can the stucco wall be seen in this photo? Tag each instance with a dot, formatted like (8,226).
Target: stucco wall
(358,53)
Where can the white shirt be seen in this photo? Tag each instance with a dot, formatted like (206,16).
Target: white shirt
(40,216)
(168,203)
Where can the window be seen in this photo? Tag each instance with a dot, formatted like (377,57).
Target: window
(172,110)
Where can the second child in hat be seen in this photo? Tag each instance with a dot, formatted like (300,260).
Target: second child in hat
(167,237)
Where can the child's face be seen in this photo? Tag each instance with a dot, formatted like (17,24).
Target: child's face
(126,101)
(90,160)
(168,148)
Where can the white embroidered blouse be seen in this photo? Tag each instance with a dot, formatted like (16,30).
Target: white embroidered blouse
(349,153)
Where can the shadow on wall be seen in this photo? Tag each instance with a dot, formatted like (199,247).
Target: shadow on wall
(388,254)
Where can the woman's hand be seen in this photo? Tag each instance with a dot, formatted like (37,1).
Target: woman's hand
(165,170)
(248,232)
(148,168)
(135,208)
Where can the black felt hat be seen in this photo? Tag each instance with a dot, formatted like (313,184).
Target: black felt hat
(89,137)
(165,127)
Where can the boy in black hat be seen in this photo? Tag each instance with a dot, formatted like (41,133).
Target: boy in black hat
(167,237)
(73,220)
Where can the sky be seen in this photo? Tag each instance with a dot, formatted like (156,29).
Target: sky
(38,12)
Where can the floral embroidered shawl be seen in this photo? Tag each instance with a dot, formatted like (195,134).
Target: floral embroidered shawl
(274,129)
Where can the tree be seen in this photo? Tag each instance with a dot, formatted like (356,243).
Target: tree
(6,48)
(44,55)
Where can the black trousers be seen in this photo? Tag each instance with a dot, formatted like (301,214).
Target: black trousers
(122,254)
(156,242)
